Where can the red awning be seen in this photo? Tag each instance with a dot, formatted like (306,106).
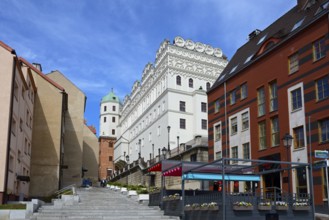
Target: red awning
(155,168)
(177,171)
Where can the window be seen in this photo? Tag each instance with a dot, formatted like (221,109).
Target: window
(234,126)
(273,97)
(113,108)
(322,88)
(21,125)
(275,136)
(158,131)
(261,101)
(208,86)
(319,49)
(217,133)
(178,80)
(217,106)
(203,107)
(190,83)
(204,124)
(301,180)
(244,91)
(296,99)
(233,97)
(245,121)
(262,135)
(293,63)
(218,155)
(193,157)
(110,158)
(324,130)
(13,126)
(181,106)
(113,131)
(235,153)
(182,123)
(113,119)
(246,151)
(11,163)
(299,140)
(16,90)
(104,119)
(105,108)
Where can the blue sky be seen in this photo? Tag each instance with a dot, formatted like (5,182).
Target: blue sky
(104,44)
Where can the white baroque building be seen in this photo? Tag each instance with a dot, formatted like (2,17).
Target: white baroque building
(172,92)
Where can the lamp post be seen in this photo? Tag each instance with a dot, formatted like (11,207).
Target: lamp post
(178,143)
(287,140)
(140,149)
(168,138)
(164,151)
(127,160)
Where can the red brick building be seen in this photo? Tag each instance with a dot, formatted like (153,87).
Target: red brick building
(277,84)
(106,151)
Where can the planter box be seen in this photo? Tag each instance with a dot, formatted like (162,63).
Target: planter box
(301,208)
(264,207)
(213,208)
(243,208)
(281,208)
(204,208)
(196,208)
(188,208)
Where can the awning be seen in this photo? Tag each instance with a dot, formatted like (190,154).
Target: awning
(227,177)
(155,168)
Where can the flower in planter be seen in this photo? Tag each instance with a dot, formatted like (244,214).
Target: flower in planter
(212,204)
(264,203)
(281,203)
(300,204)
(242,203)
(204,205)
(195,205)
(188,205)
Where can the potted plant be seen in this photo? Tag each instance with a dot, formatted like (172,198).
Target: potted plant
(188,207)
(204,206)
(213,206)
(281,206)
(301,206)
(242,206)
(196,206)
(263,206)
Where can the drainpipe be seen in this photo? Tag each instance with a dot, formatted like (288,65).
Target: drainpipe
(226,122)
(5,198)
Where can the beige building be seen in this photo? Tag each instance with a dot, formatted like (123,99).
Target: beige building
(74,128)
(90,160)
(48,133)
(17,92)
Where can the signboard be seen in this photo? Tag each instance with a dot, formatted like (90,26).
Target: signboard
(320,164)
(321,154)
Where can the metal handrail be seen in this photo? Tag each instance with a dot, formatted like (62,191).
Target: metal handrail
(72,187)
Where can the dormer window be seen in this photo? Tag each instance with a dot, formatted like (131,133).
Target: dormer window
(262,39)
(298,24)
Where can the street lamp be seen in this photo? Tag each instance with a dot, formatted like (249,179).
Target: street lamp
(127,159)
(287,141)
(178,143)
(168,138)
(164,151)
(140,143)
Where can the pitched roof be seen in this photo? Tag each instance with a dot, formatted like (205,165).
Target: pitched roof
(263,42)
(41,74)
(5,46)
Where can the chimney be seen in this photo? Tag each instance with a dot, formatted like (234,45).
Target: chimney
(38,66)
(254,34)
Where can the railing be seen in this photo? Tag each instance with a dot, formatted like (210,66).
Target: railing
(65,189)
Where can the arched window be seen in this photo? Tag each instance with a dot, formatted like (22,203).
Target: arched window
(208,86)
(190,83)
(178,80)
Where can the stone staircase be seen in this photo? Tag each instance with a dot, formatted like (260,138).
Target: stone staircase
(97,204)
